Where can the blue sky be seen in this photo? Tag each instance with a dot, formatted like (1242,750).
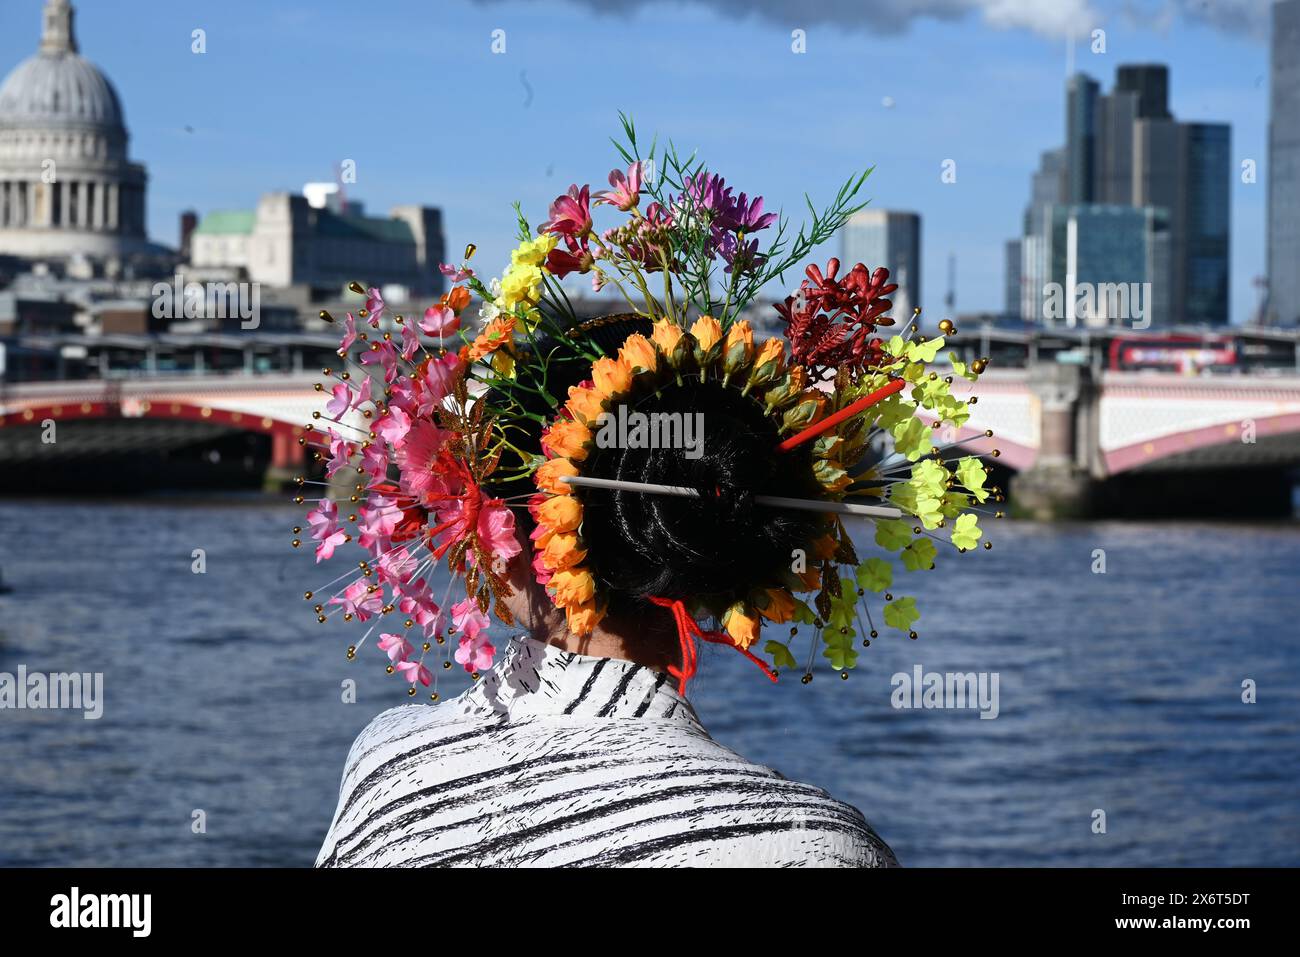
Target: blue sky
(414,95)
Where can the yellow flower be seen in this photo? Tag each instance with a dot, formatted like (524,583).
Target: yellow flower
(560,514)
(780,605)
(521,284)
(585,404)
(532,252)
(562,551)
(707,332)
(639,353)
(503,364)
(567,440)
(548,476)
(741,624)
(573,586)
(582,618)
(612,376)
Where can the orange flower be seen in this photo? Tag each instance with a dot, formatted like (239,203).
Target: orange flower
(573,586)
(612,376)
(566,439)
(562,551)
(582,618)
(639,353)
(780,605)
(457,299)
(560,514)
(666,334)
(707,332)
(547,476)
(494,335)
(585,404)
(741,624)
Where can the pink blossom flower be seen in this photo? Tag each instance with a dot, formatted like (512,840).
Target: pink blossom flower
(392,428)
(357,600)
(342,401)
(340,454)
(440,320)
(325,529)
(374,460)
(396,566)
(434,384)
(417,460)
(398,648)
(349,333)
(475,652)
(455,273)
(385,354)
(467,617)
(417,603)
(570,213)
(496,529)
(374,305)
(627,189)
(379,516)
(413,671)
(410,341)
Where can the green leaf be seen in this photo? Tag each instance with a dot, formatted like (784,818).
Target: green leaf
(802,613)
(961,368)
(901,613)
(781,655)
(893,533)
(966,531)
(839,649)
(919,555)
(924,351)
(971,473)
(875,574)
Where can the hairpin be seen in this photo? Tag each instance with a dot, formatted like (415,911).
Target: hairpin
(848,412)
(774,501)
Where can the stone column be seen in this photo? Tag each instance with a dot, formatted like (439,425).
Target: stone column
(83,205)
(1055,486)
(113,199)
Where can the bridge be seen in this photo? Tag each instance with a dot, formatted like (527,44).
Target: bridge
(1064,431)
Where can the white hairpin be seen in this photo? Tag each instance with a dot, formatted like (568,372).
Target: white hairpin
(774,501)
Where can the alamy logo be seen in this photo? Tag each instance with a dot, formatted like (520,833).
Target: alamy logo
(922,689)
(208,300)
(103,910)
(655,430)
(1119,301)
(60,689)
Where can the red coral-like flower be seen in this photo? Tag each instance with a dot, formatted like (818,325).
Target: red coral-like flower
(830,322)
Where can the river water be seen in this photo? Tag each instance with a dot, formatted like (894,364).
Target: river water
(1119,695)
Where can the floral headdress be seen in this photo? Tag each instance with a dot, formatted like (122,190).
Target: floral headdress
(424,418)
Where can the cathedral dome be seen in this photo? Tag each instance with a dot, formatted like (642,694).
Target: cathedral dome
(55,90)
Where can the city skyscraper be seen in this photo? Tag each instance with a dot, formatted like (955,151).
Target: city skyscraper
(883,237)
(1284,167)
(1125,148)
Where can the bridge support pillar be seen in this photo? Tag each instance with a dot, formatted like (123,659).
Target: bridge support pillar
(287,461)
(1058,485)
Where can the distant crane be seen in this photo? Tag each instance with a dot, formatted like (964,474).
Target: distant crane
(950,300)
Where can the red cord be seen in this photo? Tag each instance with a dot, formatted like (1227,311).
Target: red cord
(866,402)
(687,630)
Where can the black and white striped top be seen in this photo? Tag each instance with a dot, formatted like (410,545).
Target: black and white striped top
(557,759)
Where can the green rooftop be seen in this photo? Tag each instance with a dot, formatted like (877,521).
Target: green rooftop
(223,222)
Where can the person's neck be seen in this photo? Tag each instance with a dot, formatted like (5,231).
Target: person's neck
(648,639)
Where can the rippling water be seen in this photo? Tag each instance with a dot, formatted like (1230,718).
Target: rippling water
(1118,691)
